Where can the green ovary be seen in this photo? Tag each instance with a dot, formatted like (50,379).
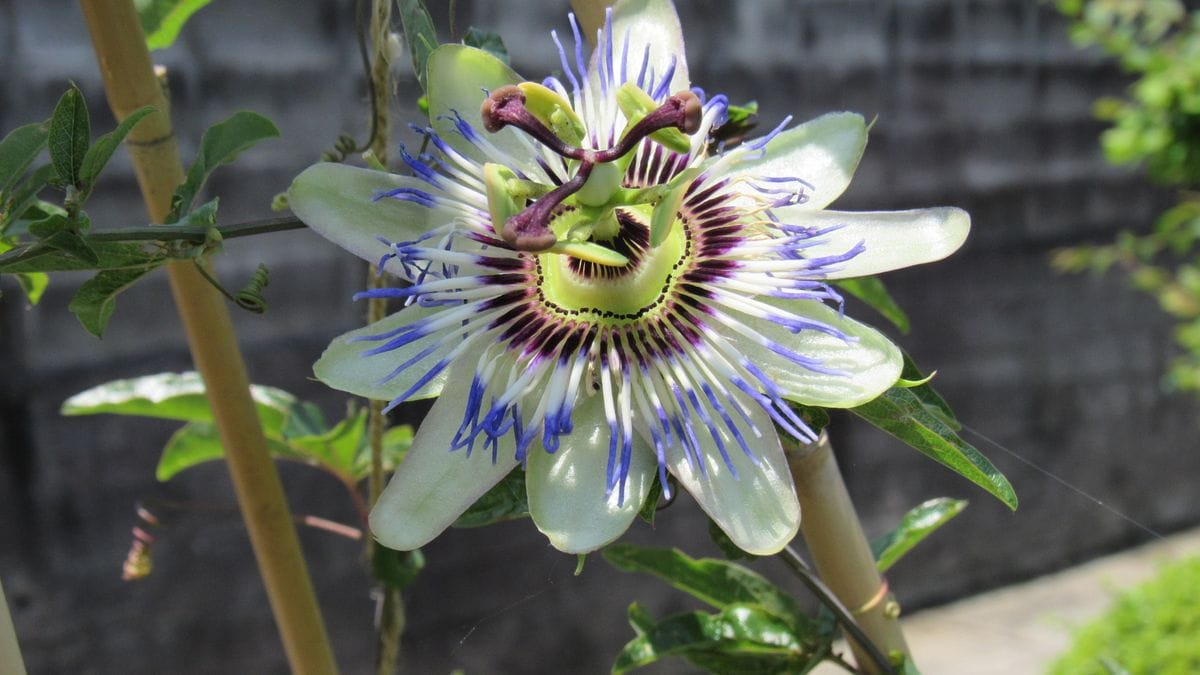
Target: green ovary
(628,292)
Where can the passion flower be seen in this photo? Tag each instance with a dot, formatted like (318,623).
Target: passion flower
(598,295)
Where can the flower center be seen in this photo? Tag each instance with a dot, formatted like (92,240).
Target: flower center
(615,295)
(596,184)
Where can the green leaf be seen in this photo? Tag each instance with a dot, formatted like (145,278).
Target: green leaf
(22,203)
(918,523)
(650,507)
(932,400)
(901,413)
(97,156)
(69,136)
(221,144)
(96,299)
(396,442)
(34,285)
(505,501)
(71,243)
(199,442)
(716,582)
(395,568)
(163,19)
(741,639)
(18,150)
(47,256)
(421,36)
(872,291)
(179,396)
(338,447)
(488,41)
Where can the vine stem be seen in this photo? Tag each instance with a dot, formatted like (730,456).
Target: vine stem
(10,651)
(130,83)
(391,614)
(843,558)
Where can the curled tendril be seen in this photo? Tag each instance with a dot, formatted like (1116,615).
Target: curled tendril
(250,297)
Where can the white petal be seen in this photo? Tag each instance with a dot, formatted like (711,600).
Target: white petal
(758,509)
(652,23)
(433,485)
(567,489)
(338,202)
(460,77)
(823,152)
(870,362)
(892,239)
(343,366)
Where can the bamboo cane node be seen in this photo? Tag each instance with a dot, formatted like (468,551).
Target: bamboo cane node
(158,140)
(879,597)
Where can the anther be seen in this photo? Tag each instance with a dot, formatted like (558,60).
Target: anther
(682,111)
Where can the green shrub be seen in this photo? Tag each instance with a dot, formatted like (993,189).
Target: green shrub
(1153,628)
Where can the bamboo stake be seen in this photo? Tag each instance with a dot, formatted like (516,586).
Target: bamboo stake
(130,84)
(10,651)
(840,550)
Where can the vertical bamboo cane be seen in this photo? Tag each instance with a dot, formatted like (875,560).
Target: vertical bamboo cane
(10,651)
(130,84)
(840,550)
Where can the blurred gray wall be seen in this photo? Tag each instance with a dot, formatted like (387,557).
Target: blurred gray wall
(982,104)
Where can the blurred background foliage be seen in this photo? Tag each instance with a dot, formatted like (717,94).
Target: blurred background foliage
(1156,127)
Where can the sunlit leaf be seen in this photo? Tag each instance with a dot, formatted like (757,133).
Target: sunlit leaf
(199,442)
(163,19)
(920,522)
(716,582)
(872,291)
(176,396)
(739,640)
(903,414)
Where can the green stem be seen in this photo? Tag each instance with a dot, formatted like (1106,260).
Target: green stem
(792,559)
(197,233)
(10,651)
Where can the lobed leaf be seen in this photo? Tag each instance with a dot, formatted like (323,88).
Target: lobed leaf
(338,447)
(18,203)
(920,522)
(932,400)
